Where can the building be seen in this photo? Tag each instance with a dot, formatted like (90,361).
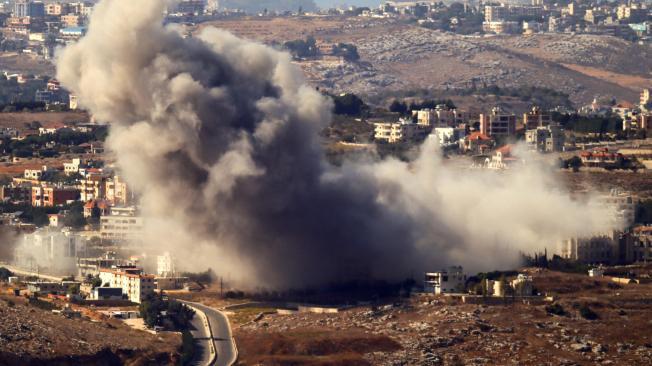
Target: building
(452,280)
(602,248)
(117,191)
(478,143)
(623,205)
(121,226)
(55,220)
(91,266)
(449,136)
(164,265)
(171,283)
(48,196)
(35,174)
(106,293)
(545,139)
(21,8)
(72,167)
(20,193)
(522,285)
(71,21)
(93,187)
(600,157)
(646,97)
(501,27)
(440,116)
(50,249)
(536,118)
(44,287)
(134,284)
(493,13)
(393,132)
(497,123)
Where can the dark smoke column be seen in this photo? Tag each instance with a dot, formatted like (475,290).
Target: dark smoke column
(219,137)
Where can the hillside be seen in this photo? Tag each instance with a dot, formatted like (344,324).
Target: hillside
(399,57)
(30,335)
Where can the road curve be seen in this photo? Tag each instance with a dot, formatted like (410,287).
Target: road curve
(222,336)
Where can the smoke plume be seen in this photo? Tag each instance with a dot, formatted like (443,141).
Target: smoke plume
(219,138)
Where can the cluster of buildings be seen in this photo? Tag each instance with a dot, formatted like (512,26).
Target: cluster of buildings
(453,129)
(453,280)
(631,244)
(628,20)
(106,277)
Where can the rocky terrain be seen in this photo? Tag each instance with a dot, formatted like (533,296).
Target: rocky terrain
(431,330)
(30,335)
(399,57)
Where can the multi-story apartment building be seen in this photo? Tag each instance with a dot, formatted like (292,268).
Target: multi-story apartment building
(48,196)
(121,226)
(450,280)
(601,248)
(50,249)
(134,284)
(498,123)
(117,192)
(536,118)
(545,139)
(393,132)
(93,187)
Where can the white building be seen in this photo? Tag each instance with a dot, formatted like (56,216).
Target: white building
(35,174)
(452,280)
(449,136)
(600,248)
(73,166)
(393,132)
(165,265)
(134,284)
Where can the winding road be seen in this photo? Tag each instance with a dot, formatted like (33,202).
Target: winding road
(218,333)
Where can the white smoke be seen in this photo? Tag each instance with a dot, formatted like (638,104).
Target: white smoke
(219,138)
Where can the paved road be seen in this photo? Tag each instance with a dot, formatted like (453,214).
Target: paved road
(227,353)
(203,356)
(25,272)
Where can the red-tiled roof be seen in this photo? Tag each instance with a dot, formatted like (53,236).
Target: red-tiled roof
(478,136)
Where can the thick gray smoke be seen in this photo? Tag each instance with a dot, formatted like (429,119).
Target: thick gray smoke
(218,136)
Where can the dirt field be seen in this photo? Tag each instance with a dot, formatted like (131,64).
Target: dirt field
(47,119)
(431,330)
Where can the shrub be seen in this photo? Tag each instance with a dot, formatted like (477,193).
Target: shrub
(556,309)
(587,313)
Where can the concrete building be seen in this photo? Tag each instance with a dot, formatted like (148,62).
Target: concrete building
(93,187)
(393,132)
(44,287)
(48,196)
(121,226)
(117,191)
(452,280)
(536,118)
(50,250)
(449,136)
(72,167)
(440,116)
(91,266)
(545,139)
(623,205)
(165,265)
(134,284)
(501,27)
(522,285)
(170,283)
(602,248)
(106,293)
(498,123)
